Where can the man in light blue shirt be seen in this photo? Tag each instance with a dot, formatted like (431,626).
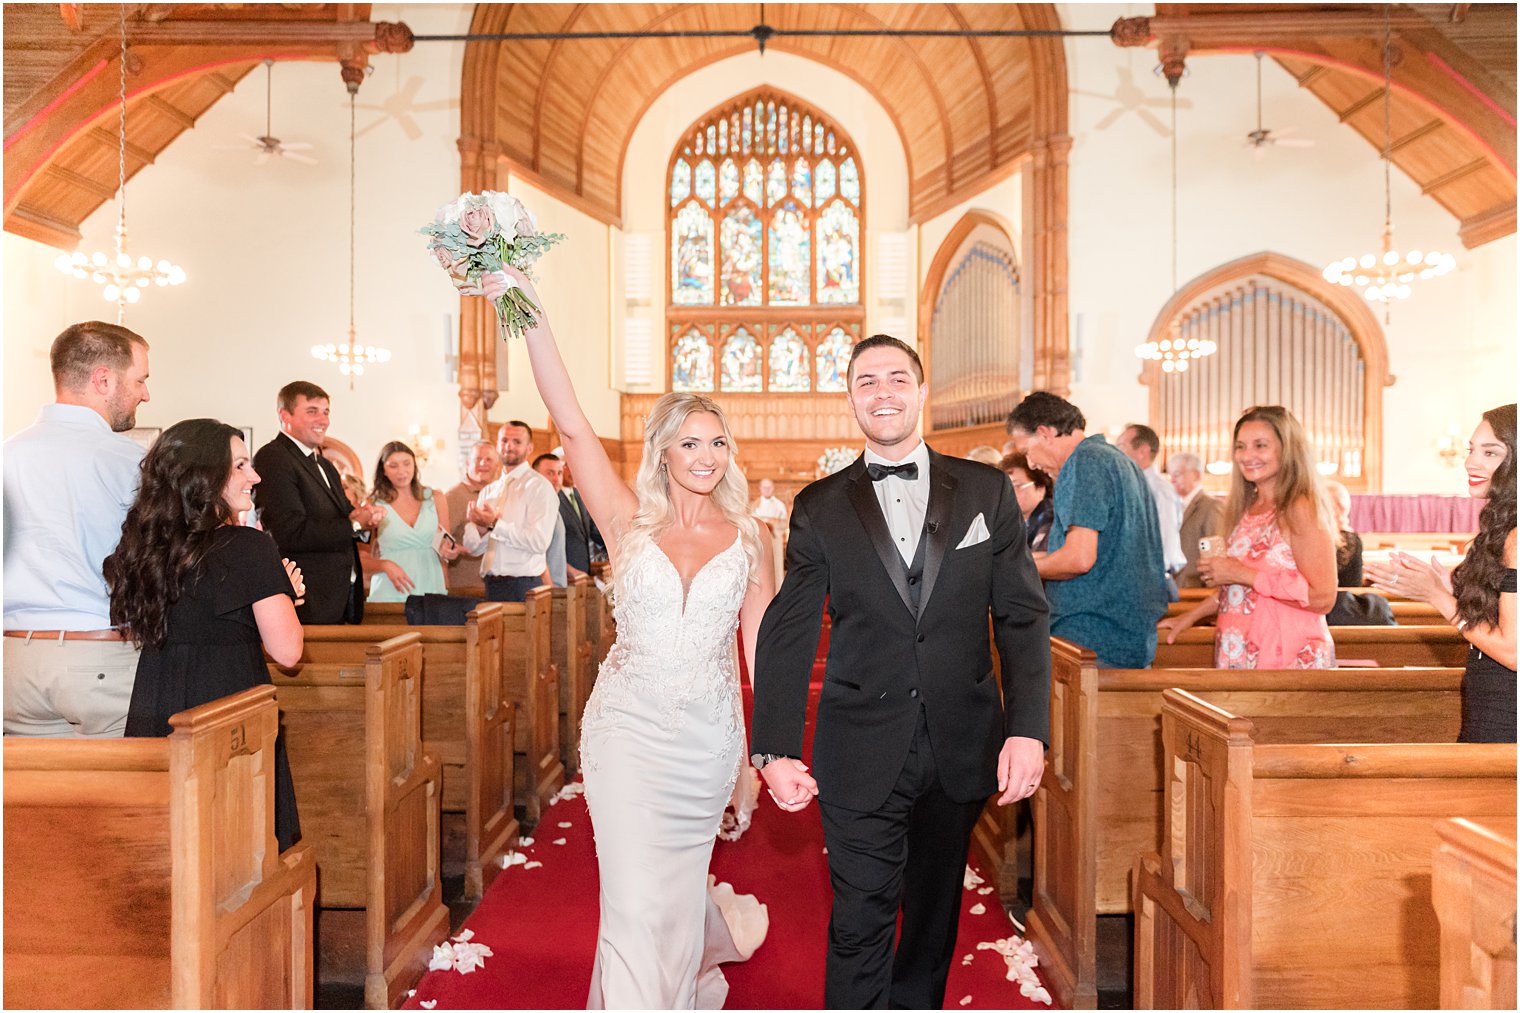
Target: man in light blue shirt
(552,468)
(69,479)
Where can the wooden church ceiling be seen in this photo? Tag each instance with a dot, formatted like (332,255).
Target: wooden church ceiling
(62,74)
(964,107)
(1453,108)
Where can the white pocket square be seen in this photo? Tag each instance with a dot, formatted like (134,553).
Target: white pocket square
(976,534)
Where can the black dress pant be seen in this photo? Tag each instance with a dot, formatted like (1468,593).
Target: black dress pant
(909,853)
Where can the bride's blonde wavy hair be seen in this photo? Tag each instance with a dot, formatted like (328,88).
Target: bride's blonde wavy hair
(652,484)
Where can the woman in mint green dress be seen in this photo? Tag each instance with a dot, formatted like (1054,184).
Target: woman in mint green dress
(404,560)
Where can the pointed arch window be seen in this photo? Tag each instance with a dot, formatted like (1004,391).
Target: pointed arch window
(766,249)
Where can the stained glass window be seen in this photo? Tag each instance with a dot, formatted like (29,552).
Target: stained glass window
(838,241)
(691,365)
(834,359)
(789,362)
(691,257)
(741,362)
(740,239)
(766,206)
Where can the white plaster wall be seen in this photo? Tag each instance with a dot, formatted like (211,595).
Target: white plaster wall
(1452,345)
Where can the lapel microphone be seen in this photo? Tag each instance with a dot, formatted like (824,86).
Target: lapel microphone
(933,527)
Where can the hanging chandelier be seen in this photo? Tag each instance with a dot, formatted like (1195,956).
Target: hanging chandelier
(1386,275)
(1175,351)
(123,278)
(350,356)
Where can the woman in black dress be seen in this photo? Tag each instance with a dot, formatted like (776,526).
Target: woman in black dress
(201,596)
(1478,597)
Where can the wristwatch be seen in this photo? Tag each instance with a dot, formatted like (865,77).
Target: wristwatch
(759,760)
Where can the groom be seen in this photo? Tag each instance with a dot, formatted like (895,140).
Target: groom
(912,551)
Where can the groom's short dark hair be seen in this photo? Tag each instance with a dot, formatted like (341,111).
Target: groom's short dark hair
(885,341)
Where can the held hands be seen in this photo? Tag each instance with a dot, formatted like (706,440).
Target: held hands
(1409,577)
(297,583)
(367,516)
(1217,570)
(1021,765)
(790,785)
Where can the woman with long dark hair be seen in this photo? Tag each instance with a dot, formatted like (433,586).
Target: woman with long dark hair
(1478,597)
(403,552)
(1276,578)
(202,596)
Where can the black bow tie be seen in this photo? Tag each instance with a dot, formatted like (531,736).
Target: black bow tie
(907,471)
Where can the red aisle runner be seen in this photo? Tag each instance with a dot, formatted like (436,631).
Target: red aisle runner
(540,923)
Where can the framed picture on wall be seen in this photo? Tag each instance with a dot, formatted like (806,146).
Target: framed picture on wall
(143,436)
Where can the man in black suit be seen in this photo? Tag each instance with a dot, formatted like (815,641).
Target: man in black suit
(912,551)
(302,504)
(582,538)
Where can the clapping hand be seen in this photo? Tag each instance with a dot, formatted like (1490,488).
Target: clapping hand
(482,516)
(1412,578)
(789,784)
(297,583)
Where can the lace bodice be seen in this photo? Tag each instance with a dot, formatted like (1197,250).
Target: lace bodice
(675,645)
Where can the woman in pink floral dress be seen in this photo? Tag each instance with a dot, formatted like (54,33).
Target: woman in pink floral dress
(1277,576)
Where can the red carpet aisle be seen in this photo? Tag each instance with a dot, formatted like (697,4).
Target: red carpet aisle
(540,924)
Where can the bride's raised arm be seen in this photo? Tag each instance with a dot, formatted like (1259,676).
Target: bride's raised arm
(610,500)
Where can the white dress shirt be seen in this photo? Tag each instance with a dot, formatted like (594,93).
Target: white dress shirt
(518,544)
(903,503)
(69,482)
(1169,513)
(769,508)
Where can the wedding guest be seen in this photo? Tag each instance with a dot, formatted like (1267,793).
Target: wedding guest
(1478,597)
(583,539)
(769,510)
(1103,572)
(202,596)
(1202,514)
(403,548)
(557,573)
(512,520)
(481,469)
(990,456)
(1141,444)
(302,504)
(1276,579)
(1033,489)
(1351,608)
(69,479)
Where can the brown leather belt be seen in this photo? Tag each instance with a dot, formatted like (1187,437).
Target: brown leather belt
(66,634)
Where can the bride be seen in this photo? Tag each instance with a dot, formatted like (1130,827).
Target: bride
(663,733)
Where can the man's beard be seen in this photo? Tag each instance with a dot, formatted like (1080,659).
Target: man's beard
(121,418)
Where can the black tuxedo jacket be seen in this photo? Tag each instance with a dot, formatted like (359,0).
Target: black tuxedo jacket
(309,521)
(581,532)
(884,660)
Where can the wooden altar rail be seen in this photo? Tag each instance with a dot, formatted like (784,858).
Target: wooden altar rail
(1473,890)
(144,872)
(1296,876)
(1099,803)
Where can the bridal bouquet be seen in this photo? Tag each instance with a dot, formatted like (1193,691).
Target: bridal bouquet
(481,233)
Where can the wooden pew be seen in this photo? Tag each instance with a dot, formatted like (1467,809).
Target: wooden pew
(1405,612)
(1297,875)
(1389,646)
(144,872)
(468,720)
(1100,802)
(1473,890)
(572,656)
(369,796)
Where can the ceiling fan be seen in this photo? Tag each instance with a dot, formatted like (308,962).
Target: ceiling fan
(269,144)
(1259,139)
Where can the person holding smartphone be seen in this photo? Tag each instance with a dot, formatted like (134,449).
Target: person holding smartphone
(408,557)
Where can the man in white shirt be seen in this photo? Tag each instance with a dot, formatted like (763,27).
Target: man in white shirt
(1142,445)
(512,520)
(773,512)
(69,480)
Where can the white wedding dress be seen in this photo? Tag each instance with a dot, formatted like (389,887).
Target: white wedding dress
(660,749)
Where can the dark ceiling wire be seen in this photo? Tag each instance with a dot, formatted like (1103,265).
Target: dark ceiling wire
(767,32)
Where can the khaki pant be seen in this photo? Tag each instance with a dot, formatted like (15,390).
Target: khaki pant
(68,688)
